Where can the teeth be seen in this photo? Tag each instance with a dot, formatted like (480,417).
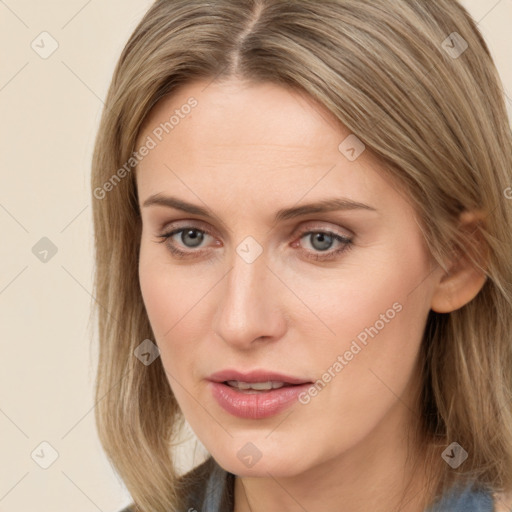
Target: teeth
(258,386)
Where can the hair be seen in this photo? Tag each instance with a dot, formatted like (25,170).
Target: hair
(438,124)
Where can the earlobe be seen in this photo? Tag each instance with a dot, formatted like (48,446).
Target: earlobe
(464,278)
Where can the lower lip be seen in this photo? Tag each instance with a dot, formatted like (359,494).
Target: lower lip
(255,406)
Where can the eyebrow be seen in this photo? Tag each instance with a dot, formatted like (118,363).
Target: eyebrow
(326,205)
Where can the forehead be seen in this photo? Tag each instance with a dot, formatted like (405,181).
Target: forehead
(253,139)
(241,114)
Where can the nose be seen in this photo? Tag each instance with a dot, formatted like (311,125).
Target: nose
(251,306)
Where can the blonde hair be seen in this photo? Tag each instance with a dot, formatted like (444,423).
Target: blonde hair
(437,121)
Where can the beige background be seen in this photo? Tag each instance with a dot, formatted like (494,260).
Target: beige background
(50,109)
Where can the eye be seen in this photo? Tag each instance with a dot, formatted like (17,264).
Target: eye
(321,242)
(189,236)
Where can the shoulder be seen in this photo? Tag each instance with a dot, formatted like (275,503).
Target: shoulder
(206,487)
(466,498)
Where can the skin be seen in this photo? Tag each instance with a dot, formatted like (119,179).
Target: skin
(244,152)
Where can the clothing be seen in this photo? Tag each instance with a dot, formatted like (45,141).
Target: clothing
(210,489)
(465,500)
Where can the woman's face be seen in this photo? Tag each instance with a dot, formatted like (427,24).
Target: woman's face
(257,279)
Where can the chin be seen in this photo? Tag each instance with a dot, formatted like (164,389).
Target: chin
(248,460)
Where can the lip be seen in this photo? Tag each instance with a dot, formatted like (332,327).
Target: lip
(255,376)
(258,405)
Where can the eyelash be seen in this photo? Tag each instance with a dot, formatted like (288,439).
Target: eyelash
(318,256)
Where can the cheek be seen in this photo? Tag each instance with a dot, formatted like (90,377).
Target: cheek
(366,374)
(158,292)
(168,290)
(378,315)
(382,288)
(374,305)
(368,367)
(174,298)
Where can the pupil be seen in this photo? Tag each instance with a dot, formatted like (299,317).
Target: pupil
(324,239)
(195,236)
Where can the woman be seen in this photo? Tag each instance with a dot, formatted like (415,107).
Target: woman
(303,245)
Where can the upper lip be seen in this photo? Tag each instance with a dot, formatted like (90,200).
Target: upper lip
(255,376)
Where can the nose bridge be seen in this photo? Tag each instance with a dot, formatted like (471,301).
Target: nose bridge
(247,309)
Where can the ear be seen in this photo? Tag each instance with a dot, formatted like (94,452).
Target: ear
(463,280)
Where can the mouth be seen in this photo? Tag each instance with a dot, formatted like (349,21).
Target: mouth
(260,378)
(256,394)
(257,387)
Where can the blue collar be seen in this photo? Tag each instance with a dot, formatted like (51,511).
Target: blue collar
(214,492)
(464,499)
